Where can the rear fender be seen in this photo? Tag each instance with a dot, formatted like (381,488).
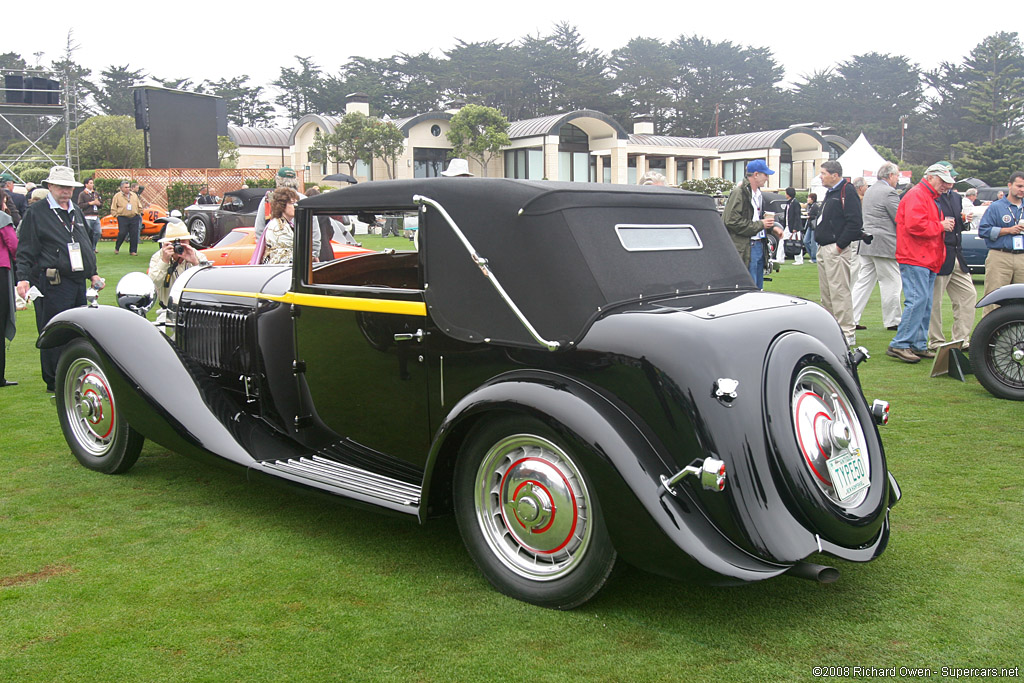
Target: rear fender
(1003,295)
(161,394)
(648,526)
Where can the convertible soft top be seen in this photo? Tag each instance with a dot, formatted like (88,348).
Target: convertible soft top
(563,251)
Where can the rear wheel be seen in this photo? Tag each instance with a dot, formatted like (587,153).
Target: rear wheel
(97,433)
(528,516)
(997,352)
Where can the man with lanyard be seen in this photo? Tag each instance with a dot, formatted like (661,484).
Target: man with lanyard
(1002,226)
(55,259)
(742,217)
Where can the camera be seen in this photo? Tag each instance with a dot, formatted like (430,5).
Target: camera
(179,248)
(865,237)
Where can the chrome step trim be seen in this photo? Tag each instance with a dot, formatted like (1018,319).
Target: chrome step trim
(348,479)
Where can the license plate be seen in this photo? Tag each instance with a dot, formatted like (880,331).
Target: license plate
(849,474)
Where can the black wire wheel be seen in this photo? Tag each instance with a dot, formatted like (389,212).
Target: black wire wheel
(528,515)
(93,426)
(997,352)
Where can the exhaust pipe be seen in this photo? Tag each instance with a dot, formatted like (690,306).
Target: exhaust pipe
(814,572)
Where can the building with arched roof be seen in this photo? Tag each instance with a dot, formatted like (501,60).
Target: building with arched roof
(579,146)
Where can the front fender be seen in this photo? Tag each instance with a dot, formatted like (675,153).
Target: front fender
(162,395)
(649,527)
(1003,295)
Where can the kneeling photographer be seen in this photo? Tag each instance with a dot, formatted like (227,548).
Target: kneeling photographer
(175,256)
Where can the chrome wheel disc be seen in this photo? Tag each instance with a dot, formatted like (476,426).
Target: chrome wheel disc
(198,229)
(1004,354)
(89,406)
(533,507)
(827,429)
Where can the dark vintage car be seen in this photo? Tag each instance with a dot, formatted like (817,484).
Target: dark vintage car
(208,223)
(579,373)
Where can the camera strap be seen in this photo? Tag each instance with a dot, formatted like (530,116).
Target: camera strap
(171,270)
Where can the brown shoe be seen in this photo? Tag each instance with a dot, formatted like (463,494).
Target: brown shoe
(905,355)
(927,353)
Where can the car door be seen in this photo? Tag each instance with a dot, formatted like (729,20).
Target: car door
(359,325)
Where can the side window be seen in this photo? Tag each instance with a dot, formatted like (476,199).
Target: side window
(368,249)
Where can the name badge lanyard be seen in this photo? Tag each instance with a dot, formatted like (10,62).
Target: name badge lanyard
(1016,241)
(757,200)
(74,248)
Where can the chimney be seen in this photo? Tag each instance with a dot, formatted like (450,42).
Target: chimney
(643,125)
(359,102)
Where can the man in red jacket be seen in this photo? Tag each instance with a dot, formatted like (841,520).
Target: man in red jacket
(920,251)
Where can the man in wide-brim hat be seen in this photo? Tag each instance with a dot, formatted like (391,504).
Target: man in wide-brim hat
(55,256)
(176,255)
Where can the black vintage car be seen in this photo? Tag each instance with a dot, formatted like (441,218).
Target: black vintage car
(208,223)
(578,372)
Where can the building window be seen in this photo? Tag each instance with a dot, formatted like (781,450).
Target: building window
(574,166)
(435,130)
(682,168)
(525,164)
(573,154)
(785,165)
(705,171)
(571,135)
(363,170)
(428,162)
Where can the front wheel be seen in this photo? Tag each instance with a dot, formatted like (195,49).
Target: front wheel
(528,516)
(198,226)
(997,352)
(97,433)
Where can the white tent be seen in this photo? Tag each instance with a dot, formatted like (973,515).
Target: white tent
(860,160)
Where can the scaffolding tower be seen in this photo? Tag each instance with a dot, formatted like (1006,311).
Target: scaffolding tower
(34,100)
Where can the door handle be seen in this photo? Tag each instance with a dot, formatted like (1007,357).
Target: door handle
(409,336)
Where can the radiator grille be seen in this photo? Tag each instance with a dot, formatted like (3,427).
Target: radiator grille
(218,339)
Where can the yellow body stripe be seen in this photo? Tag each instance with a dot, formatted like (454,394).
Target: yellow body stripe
(347,303)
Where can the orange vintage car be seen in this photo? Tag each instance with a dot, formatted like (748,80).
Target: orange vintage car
(236,247)
(151,224)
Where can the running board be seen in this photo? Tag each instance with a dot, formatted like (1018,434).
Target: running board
(348,481)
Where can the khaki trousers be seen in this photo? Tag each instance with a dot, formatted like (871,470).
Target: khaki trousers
(963,295)
(834,284)
(1002,268)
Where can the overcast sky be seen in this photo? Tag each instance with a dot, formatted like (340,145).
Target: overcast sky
(212,40)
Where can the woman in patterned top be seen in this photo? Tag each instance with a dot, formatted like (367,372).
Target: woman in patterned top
(280,239)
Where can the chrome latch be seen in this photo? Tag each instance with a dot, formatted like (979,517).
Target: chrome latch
(711,473)
(880,411)
(409,336)
(725,388)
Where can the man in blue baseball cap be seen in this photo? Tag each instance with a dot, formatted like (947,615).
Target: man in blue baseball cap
(746,221)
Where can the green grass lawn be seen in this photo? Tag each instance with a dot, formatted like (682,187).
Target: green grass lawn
(179,570)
